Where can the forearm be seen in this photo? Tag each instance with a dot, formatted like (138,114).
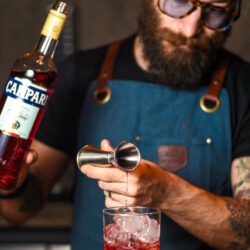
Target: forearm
(43,173)
(20,209)
(223,223)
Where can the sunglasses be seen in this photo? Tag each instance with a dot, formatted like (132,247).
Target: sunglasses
(213,16)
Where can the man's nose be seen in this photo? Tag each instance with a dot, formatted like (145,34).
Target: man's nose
(192,24)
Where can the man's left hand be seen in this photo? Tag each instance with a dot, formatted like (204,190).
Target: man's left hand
(144,186)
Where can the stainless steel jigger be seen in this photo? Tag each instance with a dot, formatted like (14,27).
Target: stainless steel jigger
(126,156)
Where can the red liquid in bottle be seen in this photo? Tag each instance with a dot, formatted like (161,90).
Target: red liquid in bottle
(12,147)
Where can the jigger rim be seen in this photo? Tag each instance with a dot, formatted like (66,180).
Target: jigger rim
(138,153)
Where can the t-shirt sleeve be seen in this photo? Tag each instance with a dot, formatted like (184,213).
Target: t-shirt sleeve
(59,127)
(240,102)
(54,128)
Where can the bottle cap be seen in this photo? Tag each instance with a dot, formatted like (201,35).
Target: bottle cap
(56,19)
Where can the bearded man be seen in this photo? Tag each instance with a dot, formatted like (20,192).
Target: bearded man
(183,100)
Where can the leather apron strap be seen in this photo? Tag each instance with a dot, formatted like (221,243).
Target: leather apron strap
(210,102)
(102,93)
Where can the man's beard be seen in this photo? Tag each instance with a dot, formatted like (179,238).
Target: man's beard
(183,63)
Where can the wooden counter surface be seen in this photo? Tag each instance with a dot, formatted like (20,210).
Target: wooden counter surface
(51,226)
(56,214)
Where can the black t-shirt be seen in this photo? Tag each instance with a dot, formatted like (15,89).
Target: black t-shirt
(60,123)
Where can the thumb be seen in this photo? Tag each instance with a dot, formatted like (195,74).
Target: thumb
(31,157)
(105,145)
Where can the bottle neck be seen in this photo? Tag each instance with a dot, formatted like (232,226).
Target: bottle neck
(46,46)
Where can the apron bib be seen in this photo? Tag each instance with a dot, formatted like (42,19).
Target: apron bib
(153,117)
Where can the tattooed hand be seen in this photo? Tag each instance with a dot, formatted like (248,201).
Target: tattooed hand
(240,207)
(241,177)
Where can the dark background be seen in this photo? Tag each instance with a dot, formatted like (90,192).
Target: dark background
(96,22)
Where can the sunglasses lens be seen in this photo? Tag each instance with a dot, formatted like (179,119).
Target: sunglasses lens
(217,18)
(176,8)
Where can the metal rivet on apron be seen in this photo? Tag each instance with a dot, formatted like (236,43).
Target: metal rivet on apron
(208,140)
(138,138)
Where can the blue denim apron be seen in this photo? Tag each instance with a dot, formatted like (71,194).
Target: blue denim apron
(160,116)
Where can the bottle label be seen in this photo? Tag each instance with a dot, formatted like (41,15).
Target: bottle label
(54,24)
(24,101)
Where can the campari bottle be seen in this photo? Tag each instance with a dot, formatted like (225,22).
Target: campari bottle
(26,96)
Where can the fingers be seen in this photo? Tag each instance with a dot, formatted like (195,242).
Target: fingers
(113,203)
(105,174)
(31,157)
(109,202)
(116,199)
(114,187)
(105,145)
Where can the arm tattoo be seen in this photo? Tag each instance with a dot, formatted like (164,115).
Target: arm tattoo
(239,222)
(32,199)
(241,187)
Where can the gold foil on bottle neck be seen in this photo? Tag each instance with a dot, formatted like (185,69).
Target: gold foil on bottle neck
(54,24)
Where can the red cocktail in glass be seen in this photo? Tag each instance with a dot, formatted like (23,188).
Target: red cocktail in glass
(131,228)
